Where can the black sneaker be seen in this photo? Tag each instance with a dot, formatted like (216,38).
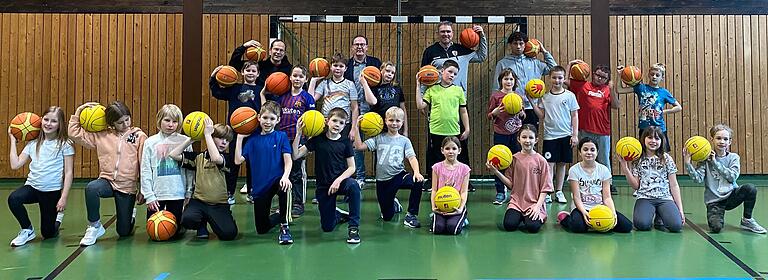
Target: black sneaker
(354,236)
(342,216)
(285,237)
(297,211)
(614,191)
(471,188)
(202,233)
(412,221)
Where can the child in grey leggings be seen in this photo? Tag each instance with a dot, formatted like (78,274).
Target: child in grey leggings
(653,177)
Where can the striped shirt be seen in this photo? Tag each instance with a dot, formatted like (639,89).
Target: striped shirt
(292,107)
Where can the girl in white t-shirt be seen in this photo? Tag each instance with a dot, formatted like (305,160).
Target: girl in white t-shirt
(590,184)
(50,158)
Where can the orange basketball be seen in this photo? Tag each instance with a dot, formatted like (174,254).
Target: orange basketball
(227,76)
(469,38)
(372,75)
(631,75)
(161,225)
(319,67)
(255,54)
(580,71)
(428,75)
(244,120)
(532,48)
(278,83)
(26,126)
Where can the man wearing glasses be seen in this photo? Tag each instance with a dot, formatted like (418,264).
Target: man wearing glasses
(277,61)
(359,60)
(595,101)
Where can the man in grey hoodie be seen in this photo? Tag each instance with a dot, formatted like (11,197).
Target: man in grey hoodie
(526,68)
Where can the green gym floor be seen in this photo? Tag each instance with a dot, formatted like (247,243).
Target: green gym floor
(389,250)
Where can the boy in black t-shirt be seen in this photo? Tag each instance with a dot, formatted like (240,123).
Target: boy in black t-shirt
(334,165)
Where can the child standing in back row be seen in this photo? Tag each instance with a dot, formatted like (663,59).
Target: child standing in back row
(505,126)
(49,180)
(447,104)
(119,150)
(719,172)
(560,112)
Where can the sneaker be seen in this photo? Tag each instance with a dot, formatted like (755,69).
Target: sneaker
(412,221)
(91,234)
(285,237)
(614,191)
(560,197)
(548,199)
(361,183)
(249,198)
(751,225)
(133,218)
(25,235)
(59,219)
(465,223)
(561,216)
(471,188)
(231,199)
(314,201)
(398,206)
(354,236)
(244,189)
(500,198)
(342,216)
(658,224)
(297,210)
(202,232)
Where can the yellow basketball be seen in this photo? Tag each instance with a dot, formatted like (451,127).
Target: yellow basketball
(629,148)
(447,199)
(698,147)
(93,119)
(513,103)
(535,88)
(601,218)
(371,124)
(314,123)
(500,156)
(194,125)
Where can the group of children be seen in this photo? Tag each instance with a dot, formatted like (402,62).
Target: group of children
(197,187)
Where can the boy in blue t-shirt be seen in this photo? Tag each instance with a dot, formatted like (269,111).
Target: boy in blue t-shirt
(334,166)
(652,98)
(264,151)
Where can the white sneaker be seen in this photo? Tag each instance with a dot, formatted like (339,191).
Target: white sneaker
(747,224)
(25,235)
(398,206)
(361,183)
(231,200)
(244,189)
(60,217)
(560,197)
(548,199)
(91,234)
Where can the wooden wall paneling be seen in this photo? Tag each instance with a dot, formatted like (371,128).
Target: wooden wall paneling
(763,86)
(749,98)
(5,70)
(757,96)
(739,92)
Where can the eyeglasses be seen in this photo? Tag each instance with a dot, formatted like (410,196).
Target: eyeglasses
(359,44)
